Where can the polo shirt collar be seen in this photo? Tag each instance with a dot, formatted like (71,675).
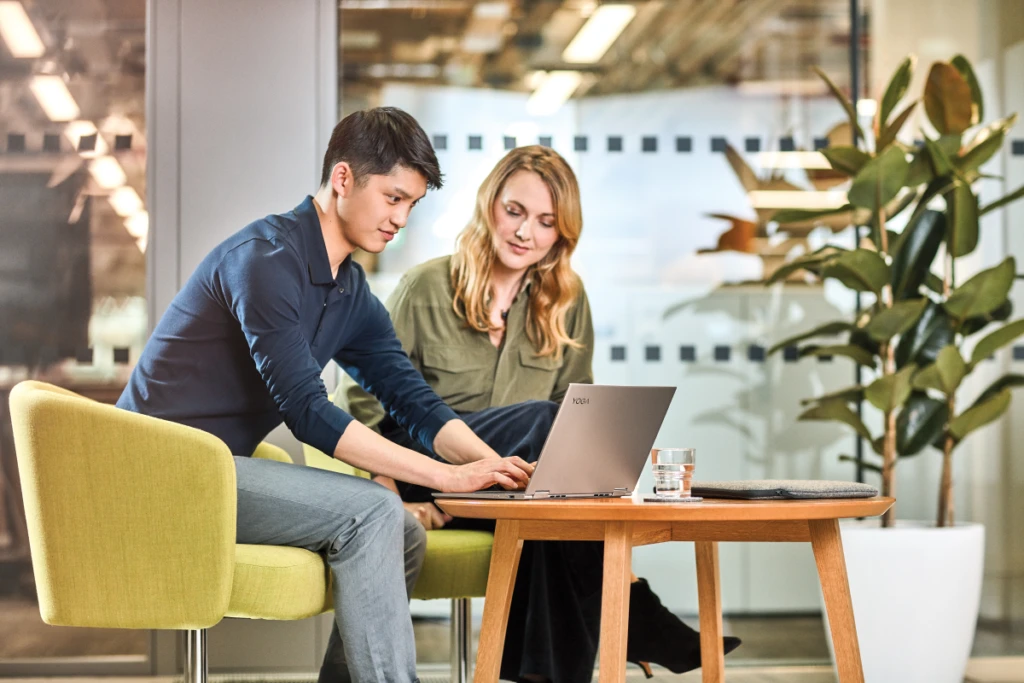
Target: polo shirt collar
(317,262)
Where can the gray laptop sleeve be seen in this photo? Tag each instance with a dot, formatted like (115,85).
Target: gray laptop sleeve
(781,489)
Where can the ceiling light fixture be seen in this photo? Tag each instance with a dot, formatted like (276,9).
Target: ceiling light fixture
(553,92)
(125,201)
(598,34)
(107,173)
(18,32)
(137,224)
(54,98)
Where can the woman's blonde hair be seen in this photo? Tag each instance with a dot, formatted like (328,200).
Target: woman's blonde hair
(554,285)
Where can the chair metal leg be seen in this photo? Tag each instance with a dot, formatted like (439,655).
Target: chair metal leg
(462,624)
(196,665)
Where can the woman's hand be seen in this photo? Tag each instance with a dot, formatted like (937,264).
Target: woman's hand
(428,515)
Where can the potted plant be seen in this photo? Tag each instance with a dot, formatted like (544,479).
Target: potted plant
(915,585)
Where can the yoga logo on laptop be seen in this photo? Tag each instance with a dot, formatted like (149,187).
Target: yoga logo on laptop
(581,401)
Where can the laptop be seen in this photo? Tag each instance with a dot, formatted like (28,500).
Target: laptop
(598,445)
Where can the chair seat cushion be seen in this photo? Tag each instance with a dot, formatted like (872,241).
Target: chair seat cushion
(277,582)
(456,565)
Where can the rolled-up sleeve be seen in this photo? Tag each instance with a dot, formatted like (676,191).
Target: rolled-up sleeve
(377,362)
(260,282)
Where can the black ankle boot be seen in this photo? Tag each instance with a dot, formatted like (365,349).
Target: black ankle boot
(656,635)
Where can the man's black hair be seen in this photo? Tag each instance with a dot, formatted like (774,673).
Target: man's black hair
(374,141)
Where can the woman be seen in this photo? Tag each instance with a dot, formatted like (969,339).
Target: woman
(499,330)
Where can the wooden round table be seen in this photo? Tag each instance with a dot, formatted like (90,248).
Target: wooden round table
(623,523)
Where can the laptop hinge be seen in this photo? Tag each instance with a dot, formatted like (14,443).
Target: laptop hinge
(621,488)
(542,494)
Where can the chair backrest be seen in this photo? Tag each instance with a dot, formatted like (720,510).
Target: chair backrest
(131,519)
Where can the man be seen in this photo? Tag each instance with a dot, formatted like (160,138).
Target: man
(242,346)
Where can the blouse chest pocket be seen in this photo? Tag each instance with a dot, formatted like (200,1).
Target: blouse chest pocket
(458,374)
(537,374)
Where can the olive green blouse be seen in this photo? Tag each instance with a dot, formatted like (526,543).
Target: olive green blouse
(460,363)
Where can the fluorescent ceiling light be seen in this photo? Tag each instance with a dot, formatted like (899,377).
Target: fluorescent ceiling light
(792,160)
(796,199)
(125,201)
(107,173)
(76,130)
(552,93)
(54,98)
(18,32)
(598,34)
(137,224)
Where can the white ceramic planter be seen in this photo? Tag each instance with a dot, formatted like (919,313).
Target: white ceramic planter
(916,590)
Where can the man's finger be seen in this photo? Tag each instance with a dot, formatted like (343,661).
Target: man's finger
(527,467)
(505,482)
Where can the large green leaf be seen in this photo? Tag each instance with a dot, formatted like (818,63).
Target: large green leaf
(916,251)
(947,99)
(836,410)
(849,395)
(922,343)
(920,170)
(945,374)
(919,423)
(848,160)
(847,106)
(890,132)
(896,90)
(961,64)
(974,325)
(986,143)
(811,262)
(1003,201)
(996,340)
(854,353)
(979,415)
(983,293)
(889,392)
(862,270)
(1011,381)
(889,322)
(880,180)
(942,162)
(784,216)
(862,339)
(962,205)
(826,330)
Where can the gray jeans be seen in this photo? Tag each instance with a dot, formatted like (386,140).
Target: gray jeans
(373,548)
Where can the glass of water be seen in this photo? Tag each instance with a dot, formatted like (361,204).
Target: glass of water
(673,471)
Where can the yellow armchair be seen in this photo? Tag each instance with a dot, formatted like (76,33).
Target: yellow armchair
(131,524)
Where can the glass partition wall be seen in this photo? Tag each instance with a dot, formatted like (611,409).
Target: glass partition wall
(688,123)
(73,229)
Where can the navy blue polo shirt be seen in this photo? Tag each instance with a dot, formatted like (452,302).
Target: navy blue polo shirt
(242,346)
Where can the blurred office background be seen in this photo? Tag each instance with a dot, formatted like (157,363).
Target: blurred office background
(135,136)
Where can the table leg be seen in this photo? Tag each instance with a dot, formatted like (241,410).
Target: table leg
(828,553)
(709,596)
(618,558)
(501,580)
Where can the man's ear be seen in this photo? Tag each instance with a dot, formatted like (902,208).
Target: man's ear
(342,180)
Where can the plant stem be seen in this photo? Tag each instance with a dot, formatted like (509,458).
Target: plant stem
(888,351)
(945,512)
(889,441)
